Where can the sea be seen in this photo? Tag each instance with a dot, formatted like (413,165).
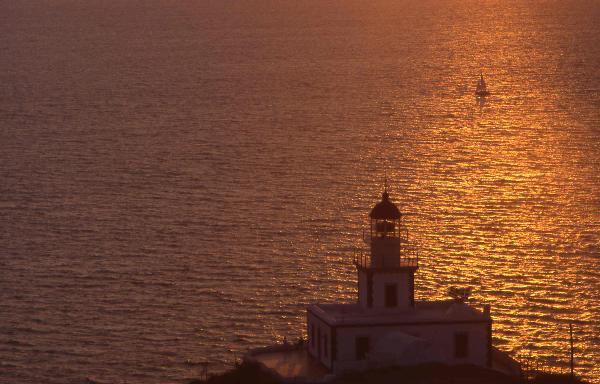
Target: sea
(180,179)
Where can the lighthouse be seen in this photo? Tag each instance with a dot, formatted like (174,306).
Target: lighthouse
(386,276)
(387,326)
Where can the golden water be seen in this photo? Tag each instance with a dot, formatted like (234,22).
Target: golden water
(179,180)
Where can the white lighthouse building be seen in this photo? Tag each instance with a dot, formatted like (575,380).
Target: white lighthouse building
(387,326)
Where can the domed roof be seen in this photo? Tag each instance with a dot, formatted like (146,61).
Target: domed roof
(385,209)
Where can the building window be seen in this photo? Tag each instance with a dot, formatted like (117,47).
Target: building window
(362,348)
(391,295)
(461,345)
(325,345)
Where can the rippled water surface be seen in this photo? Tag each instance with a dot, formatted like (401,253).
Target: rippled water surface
(179,179)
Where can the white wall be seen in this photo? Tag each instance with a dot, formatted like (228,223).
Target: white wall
(325,330)
(385,252)
(440,337)
(362,288)
(380,279)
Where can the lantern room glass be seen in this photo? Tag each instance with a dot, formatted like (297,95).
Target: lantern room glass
(385,228)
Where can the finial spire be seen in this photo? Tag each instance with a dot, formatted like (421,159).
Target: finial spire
(385,195)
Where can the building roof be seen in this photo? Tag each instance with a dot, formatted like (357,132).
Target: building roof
(385,209)
(425,312)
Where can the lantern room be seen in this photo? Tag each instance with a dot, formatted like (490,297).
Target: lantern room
(385,218)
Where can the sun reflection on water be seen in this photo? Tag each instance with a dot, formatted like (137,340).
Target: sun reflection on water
(214,191)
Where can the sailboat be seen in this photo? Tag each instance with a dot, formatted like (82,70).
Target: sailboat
(481,89)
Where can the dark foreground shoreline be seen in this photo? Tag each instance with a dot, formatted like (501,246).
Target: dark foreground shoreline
(421,374)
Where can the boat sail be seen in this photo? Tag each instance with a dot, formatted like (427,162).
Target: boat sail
(481,89)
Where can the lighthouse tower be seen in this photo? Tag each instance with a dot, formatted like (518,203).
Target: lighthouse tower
(386,276)
(386,326)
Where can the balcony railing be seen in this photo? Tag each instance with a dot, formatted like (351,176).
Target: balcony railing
(408,258)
